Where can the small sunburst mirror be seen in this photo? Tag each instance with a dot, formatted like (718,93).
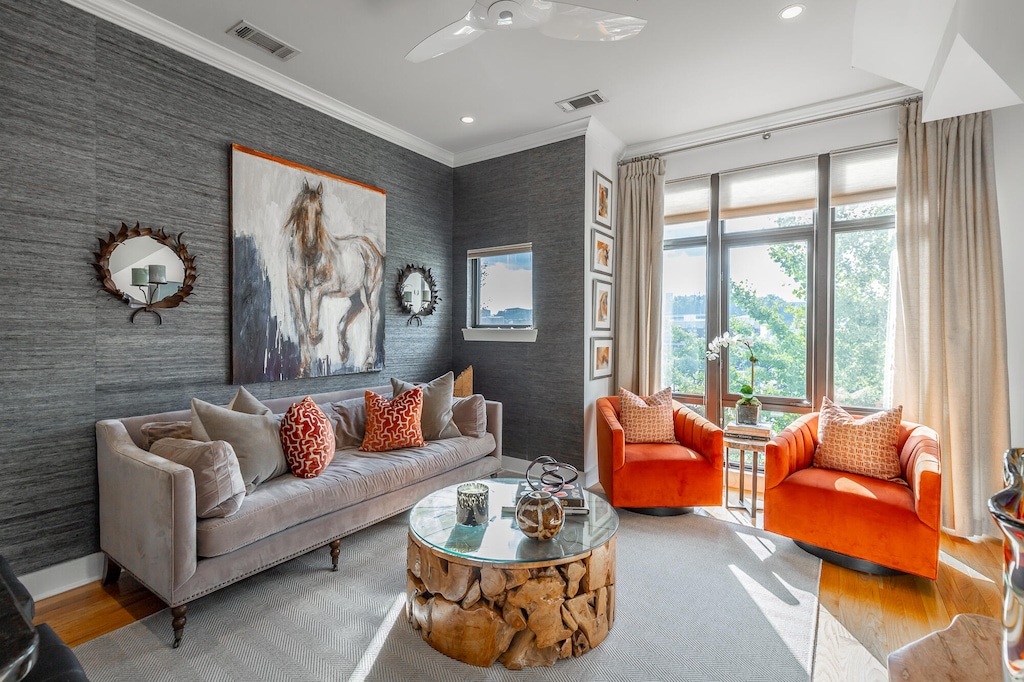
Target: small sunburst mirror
(417,292)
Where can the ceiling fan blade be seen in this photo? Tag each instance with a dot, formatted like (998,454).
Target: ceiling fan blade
(451,37)
(575,22)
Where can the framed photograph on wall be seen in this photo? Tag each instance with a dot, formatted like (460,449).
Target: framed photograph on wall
(602,317)
(602,252)
(600,358)
(603,200)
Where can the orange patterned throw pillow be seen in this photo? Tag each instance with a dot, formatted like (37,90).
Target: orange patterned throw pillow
(647,419)
(392,424)
(307,438)
(865,446)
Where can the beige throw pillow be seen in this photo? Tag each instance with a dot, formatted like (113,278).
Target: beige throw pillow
(436,420)
(865,446)
(256,439)
(219,486)
(647,419)
(470,415)
(243,402)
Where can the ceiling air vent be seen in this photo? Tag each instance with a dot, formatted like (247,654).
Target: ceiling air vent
(581,101)
(263,40)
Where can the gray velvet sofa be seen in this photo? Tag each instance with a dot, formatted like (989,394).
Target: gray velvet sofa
(148,523)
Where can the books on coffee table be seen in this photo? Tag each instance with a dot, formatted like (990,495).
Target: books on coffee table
(755,432)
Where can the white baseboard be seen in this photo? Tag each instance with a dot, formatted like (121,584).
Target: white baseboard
(53,580)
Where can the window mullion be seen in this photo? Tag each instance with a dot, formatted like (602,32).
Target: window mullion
(819,336)
(713,382)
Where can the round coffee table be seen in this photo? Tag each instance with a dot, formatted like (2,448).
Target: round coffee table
(484,593)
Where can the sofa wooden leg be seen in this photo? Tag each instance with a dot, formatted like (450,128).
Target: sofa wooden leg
(335,553)
(113,572)
(178,622)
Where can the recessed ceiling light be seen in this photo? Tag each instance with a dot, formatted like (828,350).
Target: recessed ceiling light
(791,12)
(467,119)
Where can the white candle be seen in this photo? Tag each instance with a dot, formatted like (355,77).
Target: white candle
(158,274)
(140,277)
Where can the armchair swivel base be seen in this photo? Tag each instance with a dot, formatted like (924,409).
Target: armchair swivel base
(847,561)
(660,511)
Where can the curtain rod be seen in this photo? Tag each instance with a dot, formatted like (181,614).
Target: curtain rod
(766,133)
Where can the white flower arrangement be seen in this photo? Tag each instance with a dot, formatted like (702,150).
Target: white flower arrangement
(724,341)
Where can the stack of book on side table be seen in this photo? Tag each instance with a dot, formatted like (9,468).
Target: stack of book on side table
(571,497)
(755,433)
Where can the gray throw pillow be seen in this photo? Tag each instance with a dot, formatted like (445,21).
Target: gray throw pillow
(349,420)
(219,486)
(470,415)
(243,402)
(256,439)
(436,421)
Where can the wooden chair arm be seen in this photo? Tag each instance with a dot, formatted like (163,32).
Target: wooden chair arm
(791,450)
(699,434)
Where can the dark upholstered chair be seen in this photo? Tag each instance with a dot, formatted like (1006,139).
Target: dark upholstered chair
(657,476)
(54,661)
(895,525)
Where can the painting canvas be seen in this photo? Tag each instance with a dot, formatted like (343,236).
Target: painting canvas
(307,268)
(600,358)
(602,200)
(602,252)
(602,317)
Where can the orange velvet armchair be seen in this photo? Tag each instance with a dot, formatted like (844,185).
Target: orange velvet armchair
(659,475)
(881,522)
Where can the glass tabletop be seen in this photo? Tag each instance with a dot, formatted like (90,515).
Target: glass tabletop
(499,540)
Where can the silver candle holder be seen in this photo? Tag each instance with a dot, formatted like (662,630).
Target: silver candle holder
(471,503)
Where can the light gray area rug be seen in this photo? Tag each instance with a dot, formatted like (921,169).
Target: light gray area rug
(696,599)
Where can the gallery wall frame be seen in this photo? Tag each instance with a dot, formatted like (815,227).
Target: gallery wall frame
(602,313)
(602,253)
(601,358)
(604,193)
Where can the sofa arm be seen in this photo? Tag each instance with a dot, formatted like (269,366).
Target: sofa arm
(921,466)
(791,450)
(697,433)
(611,439)
(494,417)
(147,511)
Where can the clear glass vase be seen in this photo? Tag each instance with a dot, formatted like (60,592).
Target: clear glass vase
(1007,507)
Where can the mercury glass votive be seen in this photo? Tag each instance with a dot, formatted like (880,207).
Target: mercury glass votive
(471,504)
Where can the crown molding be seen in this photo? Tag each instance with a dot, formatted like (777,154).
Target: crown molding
(752,126)
(160,30)
(540,138)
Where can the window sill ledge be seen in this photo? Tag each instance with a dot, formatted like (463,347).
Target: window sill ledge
(507,335)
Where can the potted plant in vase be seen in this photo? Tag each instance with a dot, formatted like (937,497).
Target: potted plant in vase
(748,408)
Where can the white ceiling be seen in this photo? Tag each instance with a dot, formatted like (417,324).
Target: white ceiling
(696,65)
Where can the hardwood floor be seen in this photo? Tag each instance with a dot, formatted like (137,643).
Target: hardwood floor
(861,618)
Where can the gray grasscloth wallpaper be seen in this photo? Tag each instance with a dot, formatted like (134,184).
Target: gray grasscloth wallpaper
(99,126)
(536,196)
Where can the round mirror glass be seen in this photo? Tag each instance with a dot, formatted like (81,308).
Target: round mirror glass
(415,293)
(142,266)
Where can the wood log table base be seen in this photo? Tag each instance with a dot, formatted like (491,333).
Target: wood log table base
(523,614)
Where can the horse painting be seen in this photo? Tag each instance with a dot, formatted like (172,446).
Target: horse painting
(320,266)
(307,271)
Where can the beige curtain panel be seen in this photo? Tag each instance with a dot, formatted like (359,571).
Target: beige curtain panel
(950,360)
(641,222)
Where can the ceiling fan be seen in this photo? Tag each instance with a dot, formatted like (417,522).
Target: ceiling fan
(554,19)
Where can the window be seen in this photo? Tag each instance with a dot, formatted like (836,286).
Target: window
(501,286)
(685,287)
(798,255)
(863,199)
